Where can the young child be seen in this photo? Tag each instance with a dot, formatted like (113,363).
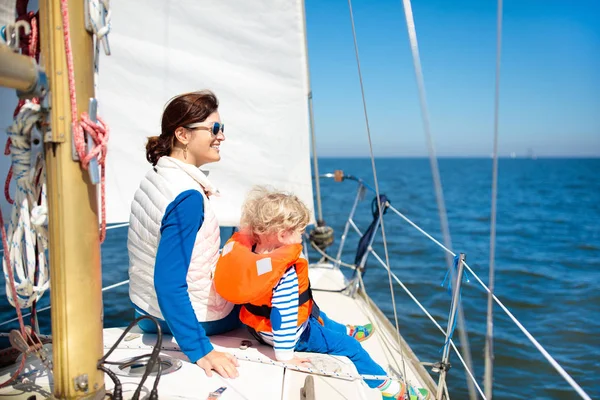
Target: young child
(262,267)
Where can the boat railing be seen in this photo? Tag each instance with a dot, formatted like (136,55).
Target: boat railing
(350,223)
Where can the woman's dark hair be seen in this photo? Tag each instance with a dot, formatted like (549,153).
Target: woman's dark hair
(181,110)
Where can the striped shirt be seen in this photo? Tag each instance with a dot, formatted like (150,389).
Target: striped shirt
(284,317)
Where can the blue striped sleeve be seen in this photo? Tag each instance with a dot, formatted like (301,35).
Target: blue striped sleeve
(180,224)
(284,315)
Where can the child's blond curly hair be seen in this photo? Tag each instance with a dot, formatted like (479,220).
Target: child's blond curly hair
(267,211)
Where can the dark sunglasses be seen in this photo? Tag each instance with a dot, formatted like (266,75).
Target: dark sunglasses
(214,128)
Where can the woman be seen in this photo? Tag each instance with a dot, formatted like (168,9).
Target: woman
(174,240)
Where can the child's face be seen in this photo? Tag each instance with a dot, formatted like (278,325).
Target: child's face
(291,237)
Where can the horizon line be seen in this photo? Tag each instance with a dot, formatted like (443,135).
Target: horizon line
(572,157)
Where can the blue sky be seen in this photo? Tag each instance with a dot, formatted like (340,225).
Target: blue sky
(550,78)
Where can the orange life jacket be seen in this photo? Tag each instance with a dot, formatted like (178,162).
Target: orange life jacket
(244,277)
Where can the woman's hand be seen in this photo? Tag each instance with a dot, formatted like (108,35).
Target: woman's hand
(223,363)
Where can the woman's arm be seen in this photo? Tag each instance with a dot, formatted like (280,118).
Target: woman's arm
(180,224)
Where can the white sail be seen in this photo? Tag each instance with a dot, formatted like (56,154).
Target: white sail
(252,54)
(7,12)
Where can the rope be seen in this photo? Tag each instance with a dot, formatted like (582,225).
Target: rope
(29,43)
(489,336)
(98,132)
(318,371)
(8,176)
(14,376)
(374,168)
(27,231)
(21,295)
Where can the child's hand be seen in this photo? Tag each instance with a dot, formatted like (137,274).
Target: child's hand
(301,362)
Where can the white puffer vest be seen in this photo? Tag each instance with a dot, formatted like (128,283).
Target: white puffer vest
(157,190)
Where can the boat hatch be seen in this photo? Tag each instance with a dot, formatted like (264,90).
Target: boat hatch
(137,367)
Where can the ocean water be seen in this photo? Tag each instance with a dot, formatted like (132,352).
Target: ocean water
(547,263)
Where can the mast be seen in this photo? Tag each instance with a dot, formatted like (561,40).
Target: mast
(76,277)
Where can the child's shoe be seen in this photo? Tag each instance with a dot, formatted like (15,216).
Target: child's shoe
(360,332)
(401,393)
(392,390)
(412,392)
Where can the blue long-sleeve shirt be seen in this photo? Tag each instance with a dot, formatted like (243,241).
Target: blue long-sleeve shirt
(180,224)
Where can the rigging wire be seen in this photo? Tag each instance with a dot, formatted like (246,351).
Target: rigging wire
(379,205)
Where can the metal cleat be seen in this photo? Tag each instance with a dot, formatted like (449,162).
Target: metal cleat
(97,23)
(93,167)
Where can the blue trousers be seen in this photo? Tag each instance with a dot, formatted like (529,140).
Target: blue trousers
(332,338)
(229,323)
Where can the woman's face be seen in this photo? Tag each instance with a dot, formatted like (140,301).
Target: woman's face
(203,146)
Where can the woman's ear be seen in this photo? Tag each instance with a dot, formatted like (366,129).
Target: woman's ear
(182,135)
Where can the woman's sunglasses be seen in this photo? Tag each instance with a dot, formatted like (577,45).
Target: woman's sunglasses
(214,128)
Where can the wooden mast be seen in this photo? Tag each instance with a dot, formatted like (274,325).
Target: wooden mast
(76,277)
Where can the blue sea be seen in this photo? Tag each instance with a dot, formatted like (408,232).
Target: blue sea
(547,263)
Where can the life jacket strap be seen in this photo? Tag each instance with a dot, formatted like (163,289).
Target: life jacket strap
(265,311)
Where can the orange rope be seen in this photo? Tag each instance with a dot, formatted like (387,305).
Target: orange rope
(97,131)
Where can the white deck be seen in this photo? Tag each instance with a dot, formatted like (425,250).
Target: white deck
(257,380)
